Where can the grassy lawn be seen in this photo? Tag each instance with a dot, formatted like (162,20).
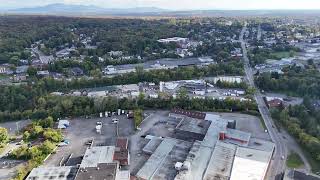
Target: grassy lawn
(283,54)
(294,161)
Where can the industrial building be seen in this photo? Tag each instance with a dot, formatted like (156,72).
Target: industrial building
(228,147)
(228,79)
(53,173)
(191,129)
(192,114)
(220,164)
(166,63)
(250,164)
(212,150)
(101,171)
(98,163)
(103,162)
(173,39)
(161,163)
(121,153)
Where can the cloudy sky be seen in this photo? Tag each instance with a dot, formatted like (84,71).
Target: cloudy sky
(174,4)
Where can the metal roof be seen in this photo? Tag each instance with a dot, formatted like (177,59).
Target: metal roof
(52,173)
(250,164)
(161,162)
(150,167)
(220,164)
(193,125)
(98,154)
(240,138)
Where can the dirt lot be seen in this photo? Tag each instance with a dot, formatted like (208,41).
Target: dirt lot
(83,130)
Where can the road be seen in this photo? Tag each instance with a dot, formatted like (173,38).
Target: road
(9,148)
(278,161)
(259,33)
(42,57)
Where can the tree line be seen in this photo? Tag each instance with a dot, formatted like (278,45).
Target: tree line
(295,81)
(303,124)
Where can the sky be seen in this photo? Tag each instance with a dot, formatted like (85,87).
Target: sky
(174,4)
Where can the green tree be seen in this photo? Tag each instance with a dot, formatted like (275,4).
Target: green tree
(26,136)
(47,123)
(42,102)
(32,71)
(52,135)
(137,117)
(3,135)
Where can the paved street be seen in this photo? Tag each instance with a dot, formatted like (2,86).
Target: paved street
(278,163)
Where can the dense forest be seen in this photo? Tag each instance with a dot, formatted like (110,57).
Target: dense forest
(295,81)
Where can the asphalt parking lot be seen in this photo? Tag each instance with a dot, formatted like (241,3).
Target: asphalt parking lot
(247,123)
(81,131)
(8,168)
(15,126)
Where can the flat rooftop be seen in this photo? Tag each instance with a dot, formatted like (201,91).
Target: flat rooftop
(161,163)
(201,151)
(152,145)
(250,164)
(193,125)
(122,143)
(261,144)
(98,154)
(216,126)
(211,117)
(240,138)
(53,173)
(197,158)
(220,164)
(107,171)
(123,175)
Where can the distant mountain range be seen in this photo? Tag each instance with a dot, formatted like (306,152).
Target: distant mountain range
(65,9)
(82,10)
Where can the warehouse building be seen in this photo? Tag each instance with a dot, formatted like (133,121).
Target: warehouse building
(98,163)
(53,173)
(250,164)
(161,163)
(220,164)
(191,129)
(225,154)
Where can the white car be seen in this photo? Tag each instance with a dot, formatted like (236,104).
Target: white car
(62,144)
(115,121)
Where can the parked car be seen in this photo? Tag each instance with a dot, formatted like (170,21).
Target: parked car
(115,121)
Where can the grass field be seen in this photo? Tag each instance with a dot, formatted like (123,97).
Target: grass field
(283,54)
(294,161)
